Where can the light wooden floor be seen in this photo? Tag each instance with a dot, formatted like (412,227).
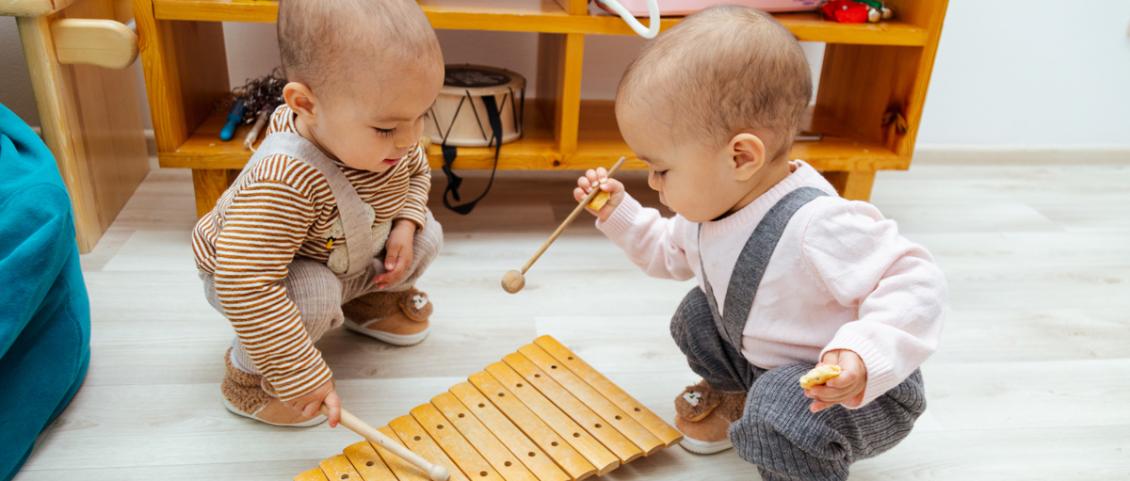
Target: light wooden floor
(1031,382)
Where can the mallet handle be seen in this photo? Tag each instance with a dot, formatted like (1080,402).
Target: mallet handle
(366,431)
(569,220)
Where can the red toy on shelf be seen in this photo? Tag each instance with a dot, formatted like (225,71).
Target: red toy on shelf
(855,11)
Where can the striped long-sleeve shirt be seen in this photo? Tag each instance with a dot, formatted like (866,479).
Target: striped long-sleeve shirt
(284,208)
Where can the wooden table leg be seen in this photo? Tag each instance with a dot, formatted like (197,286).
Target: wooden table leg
(208,185)
(853,185)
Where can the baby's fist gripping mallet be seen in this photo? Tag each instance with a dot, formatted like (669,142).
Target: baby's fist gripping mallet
(514,281)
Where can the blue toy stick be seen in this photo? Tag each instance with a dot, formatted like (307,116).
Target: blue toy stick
(235,116)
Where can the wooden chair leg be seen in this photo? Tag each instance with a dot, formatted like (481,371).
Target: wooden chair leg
(854,184)
(208,185)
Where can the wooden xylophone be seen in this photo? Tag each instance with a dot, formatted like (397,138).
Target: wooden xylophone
(541,413)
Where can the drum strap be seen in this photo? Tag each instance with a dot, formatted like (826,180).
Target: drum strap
(494,118)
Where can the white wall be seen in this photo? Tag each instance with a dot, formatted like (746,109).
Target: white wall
(1032,73)
(15,90)
(1009,73)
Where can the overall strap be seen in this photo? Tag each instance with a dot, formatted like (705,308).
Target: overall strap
(358,229)
(751,264)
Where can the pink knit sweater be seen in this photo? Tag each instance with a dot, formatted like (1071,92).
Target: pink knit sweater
(841,278)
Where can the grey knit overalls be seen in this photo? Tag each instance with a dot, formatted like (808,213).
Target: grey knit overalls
(777,432)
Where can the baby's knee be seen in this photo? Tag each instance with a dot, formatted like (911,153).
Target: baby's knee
(692,318)
(777,417)
(429,239)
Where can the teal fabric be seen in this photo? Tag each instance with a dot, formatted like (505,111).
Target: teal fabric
(44,311)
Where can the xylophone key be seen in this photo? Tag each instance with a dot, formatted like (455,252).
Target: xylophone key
(415,438)
(403,470)
(612,415)
(612,439)
(507,382)
(367,463)
(338,468)
(454,444)
(484,441)
(523,433)
(667,434)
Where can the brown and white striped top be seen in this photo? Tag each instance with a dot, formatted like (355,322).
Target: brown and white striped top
(284,208)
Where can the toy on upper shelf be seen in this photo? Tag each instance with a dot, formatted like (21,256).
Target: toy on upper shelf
(855,11)
(252,103)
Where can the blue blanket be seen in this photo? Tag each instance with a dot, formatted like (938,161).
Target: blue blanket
(44,312)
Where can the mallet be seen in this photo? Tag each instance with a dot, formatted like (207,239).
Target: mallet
(435,472)
(514,281)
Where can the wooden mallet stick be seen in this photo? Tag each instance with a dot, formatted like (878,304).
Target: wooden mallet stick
(435,472)
(514,281)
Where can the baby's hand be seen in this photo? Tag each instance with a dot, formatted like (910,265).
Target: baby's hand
(311,403)
(848,387)
(613,187)
(398,253)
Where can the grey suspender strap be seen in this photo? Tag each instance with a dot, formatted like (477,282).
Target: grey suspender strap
(751,264)
(358,230)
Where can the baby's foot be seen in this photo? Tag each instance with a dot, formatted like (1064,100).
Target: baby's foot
(244,396)
(704,415)
(398,318)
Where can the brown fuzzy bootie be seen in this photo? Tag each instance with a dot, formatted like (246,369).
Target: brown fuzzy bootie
(398,318)
(244,396)
(704,415)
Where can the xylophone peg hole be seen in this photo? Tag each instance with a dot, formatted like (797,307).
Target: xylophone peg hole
(482,405)
(618,417)
(576,435)
(570,358)
(415,438)
(501,394)
(518,385)
(537,375)
(507,464)
(597,425)
(345,476)
(554,444)
(461,414)
(553,366)
(439,426)
(369,463)
(637,410)
(483,473)
(531,454)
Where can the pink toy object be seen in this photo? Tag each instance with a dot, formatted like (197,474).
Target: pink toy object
(687,7)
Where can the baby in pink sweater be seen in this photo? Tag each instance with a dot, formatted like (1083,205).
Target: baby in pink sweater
(790,274)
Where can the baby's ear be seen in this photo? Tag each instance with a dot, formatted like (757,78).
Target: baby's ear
(299,98)
(747,155)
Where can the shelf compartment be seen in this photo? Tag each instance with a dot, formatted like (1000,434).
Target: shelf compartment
(599,144)
(203,149)
(545,16)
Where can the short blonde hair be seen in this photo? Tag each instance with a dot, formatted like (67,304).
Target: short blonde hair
(320,39)
(722,71)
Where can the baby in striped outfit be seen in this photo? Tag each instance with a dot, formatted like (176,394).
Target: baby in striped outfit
(790,275)
(328,224)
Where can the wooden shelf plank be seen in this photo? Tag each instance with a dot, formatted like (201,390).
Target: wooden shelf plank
(599,144)
(545,16)
(204,149)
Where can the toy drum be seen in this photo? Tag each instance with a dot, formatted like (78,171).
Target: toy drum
(471,98)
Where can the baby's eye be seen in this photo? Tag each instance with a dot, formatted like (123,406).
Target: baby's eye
(660,173)
(384,132)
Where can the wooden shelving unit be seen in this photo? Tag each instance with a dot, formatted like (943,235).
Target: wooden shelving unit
(872,88)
